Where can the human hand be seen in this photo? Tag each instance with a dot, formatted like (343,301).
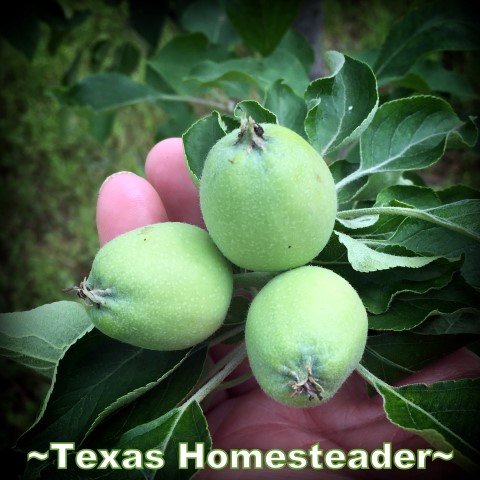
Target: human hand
(243,416)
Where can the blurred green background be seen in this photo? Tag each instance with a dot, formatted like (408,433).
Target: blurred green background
(54,157)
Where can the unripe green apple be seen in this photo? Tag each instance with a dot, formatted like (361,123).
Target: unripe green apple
(305,333)
(163,287)
(267,197)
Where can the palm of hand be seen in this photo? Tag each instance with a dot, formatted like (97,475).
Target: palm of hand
(247,418)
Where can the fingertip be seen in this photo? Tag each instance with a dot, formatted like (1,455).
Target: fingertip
(126,201)
(166,169)
(165,152)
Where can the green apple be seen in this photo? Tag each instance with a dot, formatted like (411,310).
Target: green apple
(305,333)
(163,287)
(267,197)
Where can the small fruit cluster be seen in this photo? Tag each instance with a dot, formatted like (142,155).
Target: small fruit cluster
(269,204)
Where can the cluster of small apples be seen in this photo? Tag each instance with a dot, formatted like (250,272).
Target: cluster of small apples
(269,204)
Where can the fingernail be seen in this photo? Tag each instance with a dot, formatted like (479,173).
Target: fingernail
(110,177)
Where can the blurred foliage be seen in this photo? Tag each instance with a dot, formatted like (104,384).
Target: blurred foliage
(54,160)
(22,391)
(353,26)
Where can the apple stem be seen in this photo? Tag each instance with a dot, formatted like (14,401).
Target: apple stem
(226,367)
(225,336)
(252,279)
(235,382)
(250,132)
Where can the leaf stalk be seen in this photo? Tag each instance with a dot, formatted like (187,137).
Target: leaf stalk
(227,366)
(409,212)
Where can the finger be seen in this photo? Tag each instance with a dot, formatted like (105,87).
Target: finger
(166,169)
(125,202)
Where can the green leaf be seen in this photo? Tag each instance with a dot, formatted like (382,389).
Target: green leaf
(408,310)
(96,376)
(175,60)
(456,193)
(465,137)
(412,81)
(334,254)
(341,106)
(178,116)
(441,412)
(408,196)
(377,182)
(136,425)
(261,23)
(101,124)
(253,109)
(38,338)
(156,402)
(462,217)
(378,289)
(183,424)
(208,17)
(406,134)
(364,188)
(366,259)
(450,230)
(297,45)
(200,138)
(418,202)
(143,440)
(459,322)
(237,76)
(288,107)
(438,79)
(443,25)
(107,91)
(393,356)
(364,221)
(126,58)
(341,169)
